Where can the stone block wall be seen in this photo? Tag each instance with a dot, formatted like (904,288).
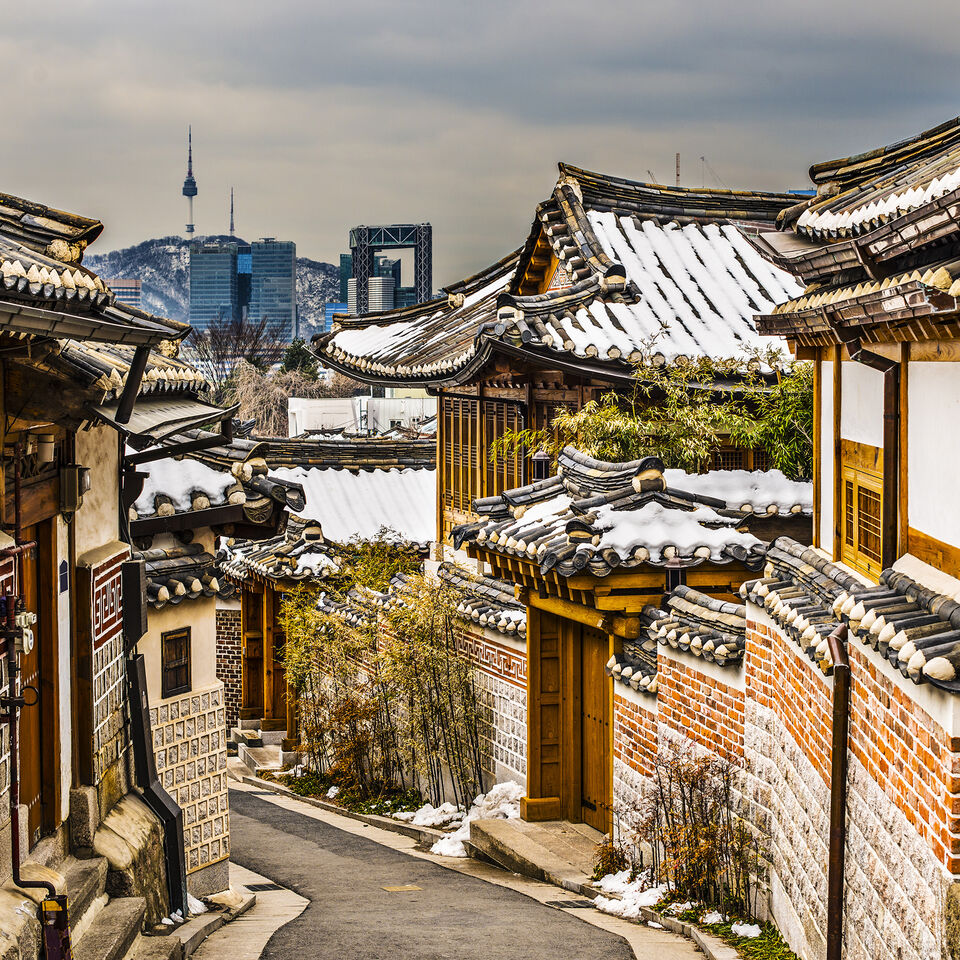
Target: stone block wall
(190,746)
(502,686)
(229,661)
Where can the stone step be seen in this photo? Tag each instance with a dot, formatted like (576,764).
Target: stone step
(156,948)
(260,758)
(86,880)
(113,932)
(252,738)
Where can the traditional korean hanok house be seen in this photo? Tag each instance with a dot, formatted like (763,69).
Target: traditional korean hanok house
(593,551)
(371,489)
(613,271)
(65,555)
(878,247)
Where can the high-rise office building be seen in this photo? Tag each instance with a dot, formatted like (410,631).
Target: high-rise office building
(273,290)
(213,284)
(127,290)
(365,261)
(381,294)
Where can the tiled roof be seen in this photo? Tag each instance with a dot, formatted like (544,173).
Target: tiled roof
(916,628)
(636,667)
(867,190)
(594,517)
(702,625)
(653,270)
(486,601)
(340,453)
(109,364)
(181,573)
(300,553)
(45,291)
(879,244)
(177,486)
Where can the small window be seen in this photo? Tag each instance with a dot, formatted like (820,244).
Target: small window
(862,543)
(175,653)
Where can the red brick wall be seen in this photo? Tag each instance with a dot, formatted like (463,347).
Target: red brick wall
(781,678)
(229,662)
(700,707)
(634,734)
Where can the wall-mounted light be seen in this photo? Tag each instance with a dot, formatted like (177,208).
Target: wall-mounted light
(46,447)
(541,465)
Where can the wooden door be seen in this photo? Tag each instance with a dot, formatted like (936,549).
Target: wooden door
(251,626)
(279,675)
(31,720)
(595,730)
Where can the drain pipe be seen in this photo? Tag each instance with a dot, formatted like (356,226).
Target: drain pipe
(890,369)
(838,790)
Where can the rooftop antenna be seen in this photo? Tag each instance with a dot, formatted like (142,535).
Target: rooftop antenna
(189,183)
(703,175)
(678,169)
(652,175)
(232,228)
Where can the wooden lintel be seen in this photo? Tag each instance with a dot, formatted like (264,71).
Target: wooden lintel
(570,611)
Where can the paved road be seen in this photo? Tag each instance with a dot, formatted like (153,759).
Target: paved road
(352,917)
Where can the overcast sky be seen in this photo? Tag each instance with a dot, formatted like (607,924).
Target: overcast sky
(325,115)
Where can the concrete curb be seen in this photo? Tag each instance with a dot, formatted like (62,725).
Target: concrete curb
(195,931)
(713,947)
(426,835)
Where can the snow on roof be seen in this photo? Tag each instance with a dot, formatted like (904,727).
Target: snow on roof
(355,506)
(182,482)
(748,491)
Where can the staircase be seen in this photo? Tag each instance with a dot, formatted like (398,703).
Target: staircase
(257,749)
(105,928)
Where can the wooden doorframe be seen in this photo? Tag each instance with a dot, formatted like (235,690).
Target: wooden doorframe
(248,712)
(48,637)
(548,799)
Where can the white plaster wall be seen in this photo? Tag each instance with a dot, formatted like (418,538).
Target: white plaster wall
(861,395)
(97,520)
(825,518)
(201,616)
(933,449)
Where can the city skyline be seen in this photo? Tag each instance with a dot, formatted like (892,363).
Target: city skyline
(457,117)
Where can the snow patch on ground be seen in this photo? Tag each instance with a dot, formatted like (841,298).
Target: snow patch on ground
(502,802)
(634,894)
(751,930)
(430,816)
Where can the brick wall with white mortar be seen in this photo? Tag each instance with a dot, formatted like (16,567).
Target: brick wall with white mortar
(190,746)
(229,660)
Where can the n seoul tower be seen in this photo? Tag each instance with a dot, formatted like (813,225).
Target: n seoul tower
(189,184)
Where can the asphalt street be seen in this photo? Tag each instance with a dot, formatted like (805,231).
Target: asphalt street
(352,916)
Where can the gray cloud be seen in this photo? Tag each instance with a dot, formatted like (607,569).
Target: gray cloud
(327,115)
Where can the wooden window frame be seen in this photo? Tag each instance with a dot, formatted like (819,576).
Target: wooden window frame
(167,688)
(857,479)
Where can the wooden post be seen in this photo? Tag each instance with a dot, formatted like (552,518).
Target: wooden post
(269,667)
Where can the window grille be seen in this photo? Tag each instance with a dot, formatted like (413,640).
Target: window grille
(175,657)
(862,521)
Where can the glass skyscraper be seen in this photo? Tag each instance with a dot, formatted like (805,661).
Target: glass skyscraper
(213,284)
(273,288)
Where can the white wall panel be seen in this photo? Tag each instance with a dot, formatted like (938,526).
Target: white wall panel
(933,449)
(827,477)
(861,392)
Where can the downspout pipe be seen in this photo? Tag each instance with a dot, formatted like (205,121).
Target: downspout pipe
(890,369)
(838,790)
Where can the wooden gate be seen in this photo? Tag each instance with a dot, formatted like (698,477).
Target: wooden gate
(595,729)
(31,739)
(251,627)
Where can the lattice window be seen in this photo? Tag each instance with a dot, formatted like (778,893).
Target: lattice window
(862,521)
(175,661)
(728,458)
